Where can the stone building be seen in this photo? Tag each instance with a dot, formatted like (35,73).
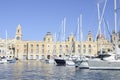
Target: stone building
(49,47)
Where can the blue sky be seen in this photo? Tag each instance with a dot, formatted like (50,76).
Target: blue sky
(37,17)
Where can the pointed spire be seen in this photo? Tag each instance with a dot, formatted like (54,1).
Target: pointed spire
(19,26)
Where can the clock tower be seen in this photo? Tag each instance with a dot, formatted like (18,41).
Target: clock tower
(18,35)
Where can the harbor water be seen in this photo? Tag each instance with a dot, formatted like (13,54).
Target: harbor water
(37,70)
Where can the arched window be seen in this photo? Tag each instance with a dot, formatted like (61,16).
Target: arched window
(90,39)
(84,46)
(42,45)
(37,46)
(66,46)
(60,46)
(31,45)
(25,46)
(18,31)
(79,46)
(48,39)
(89,46)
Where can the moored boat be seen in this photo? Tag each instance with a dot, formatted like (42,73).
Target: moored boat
(60,61)
(111,61)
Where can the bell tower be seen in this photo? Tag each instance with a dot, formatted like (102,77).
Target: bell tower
(18,35)
(89,38)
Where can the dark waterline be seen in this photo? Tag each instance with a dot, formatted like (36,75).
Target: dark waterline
(36,70)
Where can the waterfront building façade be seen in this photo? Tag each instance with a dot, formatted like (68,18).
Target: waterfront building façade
(49,47)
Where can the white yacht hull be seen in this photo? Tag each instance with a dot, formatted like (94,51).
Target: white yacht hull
(84,65)
(70,63)
(3,61)
(102,64)
(51,61)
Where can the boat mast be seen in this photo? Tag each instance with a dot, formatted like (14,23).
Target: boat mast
(64,26)
(81,35)
(78,30)
(54,46)
(6,43)
(99,28)
(115,16)
(115,25)
(100,18)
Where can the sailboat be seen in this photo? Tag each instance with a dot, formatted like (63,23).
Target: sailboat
(60,61)
(111,60)
(81,61)
(69,60)
(6,59)
(63,60)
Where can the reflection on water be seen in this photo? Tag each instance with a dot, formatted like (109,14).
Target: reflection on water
(36,70)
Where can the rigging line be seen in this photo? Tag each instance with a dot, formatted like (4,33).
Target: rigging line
(76,31)
(100,18)
(106,23)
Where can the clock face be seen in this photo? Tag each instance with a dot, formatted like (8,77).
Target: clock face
(18,38)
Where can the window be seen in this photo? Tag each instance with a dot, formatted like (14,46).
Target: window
(31,56)
(89,50)
(84,46)
(60,50)
(31,51)
(119,46)
(89,39)
(37,46)
(72,39)
(10,52)
(25,46)
(48,45)
(66,46)
(79,46)
(24,57)
(78,50)
(84,51)
(48,40)
(42,46)
(31,45)
(17,50)
(42,50)
(37,50)
(37,57)
(89,46)
(25,51)
(48,51)
(60,46)
(67,50)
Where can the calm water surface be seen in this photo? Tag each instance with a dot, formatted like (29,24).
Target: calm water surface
(36,70)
